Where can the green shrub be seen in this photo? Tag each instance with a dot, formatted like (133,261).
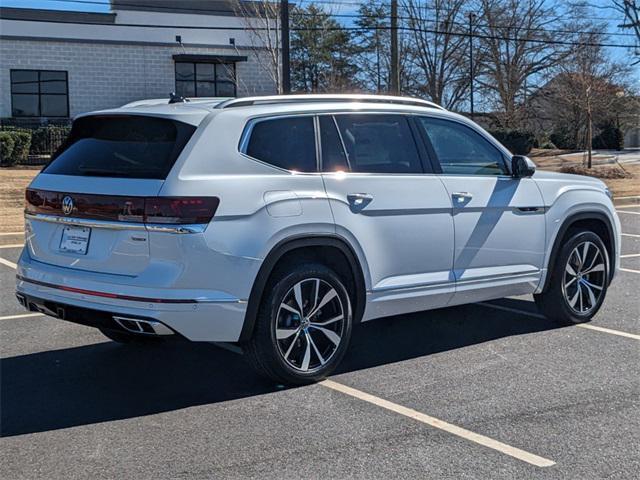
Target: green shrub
(22,145)
(519,142)
(562,139)
(6,148)
(610,138)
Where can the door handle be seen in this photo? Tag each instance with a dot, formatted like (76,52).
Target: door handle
(359,200)
(461,197)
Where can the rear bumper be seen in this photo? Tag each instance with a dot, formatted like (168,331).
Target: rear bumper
(214,318)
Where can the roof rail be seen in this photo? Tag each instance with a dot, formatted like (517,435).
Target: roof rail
(166,101)
(292,99)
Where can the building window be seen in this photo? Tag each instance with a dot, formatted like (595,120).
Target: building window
(205,79)
(39,93)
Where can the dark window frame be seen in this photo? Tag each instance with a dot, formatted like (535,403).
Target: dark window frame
(215,81)
(39,94)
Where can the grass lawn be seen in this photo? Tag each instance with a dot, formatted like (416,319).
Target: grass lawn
(624,183)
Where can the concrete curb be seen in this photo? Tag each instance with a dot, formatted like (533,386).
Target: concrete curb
(633,200)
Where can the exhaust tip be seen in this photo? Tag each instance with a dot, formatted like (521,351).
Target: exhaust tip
(142,327)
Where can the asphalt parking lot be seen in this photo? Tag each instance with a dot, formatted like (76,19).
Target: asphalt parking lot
(480,391)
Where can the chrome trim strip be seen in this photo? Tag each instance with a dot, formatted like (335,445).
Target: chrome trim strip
(110,225)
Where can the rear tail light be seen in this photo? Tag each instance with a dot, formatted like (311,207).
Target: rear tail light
(181,210)
(164,210)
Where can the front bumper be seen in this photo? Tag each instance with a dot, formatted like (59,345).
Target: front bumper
(89,302)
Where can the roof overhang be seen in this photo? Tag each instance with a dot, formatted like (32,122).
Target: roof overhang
(184,57)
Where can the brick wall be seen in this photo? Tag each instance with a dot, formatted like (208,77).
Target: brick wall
(110,75)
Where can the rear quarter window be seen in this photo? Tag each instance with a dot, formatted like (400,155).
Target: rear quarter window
(121,146)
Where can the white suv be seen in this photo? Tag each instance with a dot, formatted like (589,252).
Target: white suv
(277,223)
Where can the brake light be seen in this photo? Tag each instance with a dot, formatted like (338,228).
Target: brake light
(180,210)
(163,210)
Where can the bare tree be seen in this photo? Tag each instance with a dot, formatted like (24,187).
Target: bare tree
(438,50)
(519,50)
(261,18)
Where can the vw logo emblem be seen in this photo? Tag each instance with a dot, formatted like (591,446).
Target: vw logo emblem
(67,205)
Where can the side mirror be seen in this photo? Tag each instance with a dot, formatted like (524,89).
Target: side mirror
(522,167)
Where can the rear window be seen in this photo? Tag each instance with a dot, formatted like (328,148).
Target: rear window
(121,146)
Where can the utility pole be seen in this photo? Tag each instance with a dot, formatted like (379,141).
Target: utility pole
(471,69)
(395,61)
(286,67)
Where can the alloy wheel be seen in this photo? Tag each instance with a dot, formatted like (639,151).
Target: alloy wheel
(584,277)
(309,325)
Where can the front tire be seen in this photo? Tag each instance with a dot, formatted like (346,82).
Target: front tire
(579,280)
(303,326)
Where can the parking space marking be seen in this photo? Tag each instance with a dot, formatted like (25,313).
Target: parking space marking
(442,425)
(630,255)
(630,235)
(8,263)
(3,234)
(22,315)
(629,270)
(13,245)
(581,325)
(637,205)
(628,213)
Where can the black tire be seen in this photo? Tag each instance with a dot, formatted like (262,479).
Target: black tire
(555,302)
(128,338)
(265,352)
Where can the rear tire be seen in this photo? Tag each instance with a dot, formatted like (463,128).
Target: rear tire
(303,326)
(579,280)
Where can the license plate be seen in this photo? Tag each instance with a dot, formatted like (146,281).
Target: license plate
(75,240)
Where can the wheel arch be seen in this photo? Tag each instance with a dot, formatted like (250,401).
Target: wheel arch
(602,224)
(302,243)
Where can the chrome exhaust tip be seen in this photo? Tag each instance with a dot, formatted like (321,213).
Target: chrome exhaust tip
(142,327)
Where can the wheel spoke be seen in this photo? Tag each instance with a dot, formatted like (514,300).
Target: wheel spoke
(297,293)
(290,309)
(328,322)
(330,295)
(570,270)
(573,300)
(593,261)
(592,297)
(293,342)
(570,282)
(315,349)
(597,268)
(330,334)
(580,296)
(316,294)
(307,355)
(283,333)
(588,283)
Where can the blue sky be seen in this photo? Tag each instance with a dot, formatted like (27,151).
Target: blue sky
(103,6)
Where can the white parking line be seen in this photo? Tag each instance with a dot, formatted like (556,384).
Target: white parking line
(8,263)
(628,213)
(630,255)
(630,235)
(637,205)
(442,425)
(22,315)
(581,325)
(629,270)
(11,233)
(13,245)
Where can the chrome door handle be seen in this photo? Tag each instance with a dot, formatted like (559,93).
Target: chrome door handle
(359,200)
(461,197)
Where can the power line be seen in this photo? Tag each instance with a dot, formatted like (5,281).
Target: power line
(351,29)
(345,15)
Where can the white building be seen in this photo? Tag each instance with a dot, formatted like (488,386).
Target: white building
(56,64)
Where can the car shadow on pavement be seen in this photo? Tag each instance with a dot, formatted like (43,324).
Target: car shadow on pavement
(106,381)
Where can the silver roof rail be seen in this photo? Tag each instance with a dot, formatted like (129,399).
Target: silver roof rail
(292,99)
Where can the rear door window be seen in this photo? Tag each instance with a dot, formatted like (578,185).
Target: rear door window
(287,143)
(379,143)
(121,146)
